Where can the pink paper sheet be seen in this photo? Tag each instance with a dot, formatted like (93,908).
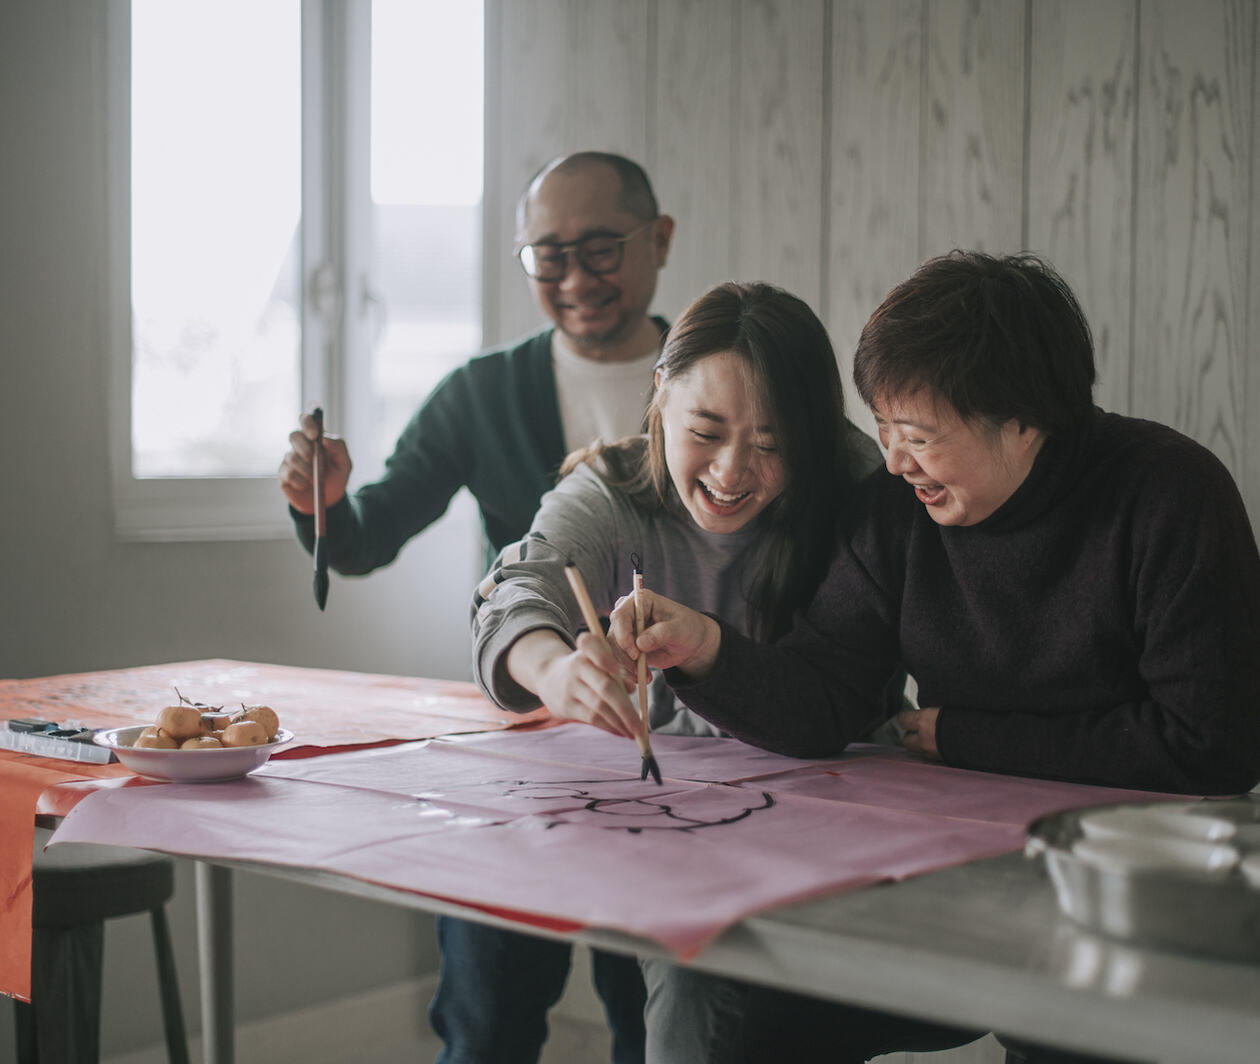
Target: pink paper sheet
(555,826)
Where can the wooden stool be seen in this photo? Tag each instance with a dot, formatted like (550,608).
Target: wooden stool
(77,887)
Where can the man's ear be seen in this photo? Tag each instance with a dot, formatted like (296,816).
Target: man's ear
(662,235)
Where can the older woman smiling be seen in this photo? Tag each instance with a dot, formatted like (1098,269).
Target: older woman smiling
(1075,592)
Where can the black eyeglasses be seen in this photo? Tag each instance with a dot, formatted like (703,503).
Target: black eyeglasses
(597,254)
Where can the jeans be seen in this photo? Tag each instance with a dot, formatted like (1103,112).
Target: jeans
(694,1018)
(495,988)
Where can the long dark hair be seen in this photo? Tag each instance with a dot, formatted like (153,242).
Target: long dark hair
(790,359)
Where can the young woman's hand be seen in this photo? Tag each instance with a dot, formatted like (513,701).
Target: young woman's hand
(587,684)
(674,636)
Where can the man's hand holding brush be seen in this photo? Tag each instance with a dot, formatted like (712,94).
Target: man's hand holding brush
(297,468)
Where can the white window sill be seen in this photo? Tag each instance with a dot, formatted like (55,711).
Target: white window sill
(161,510)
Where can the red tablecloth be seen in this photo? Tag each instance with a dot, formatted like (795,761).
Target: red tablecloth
(327,710)
(23,778)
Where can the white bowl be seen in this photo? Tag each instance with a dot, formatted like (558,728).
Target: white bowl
(187,766)
(1152,821)
(1133,853)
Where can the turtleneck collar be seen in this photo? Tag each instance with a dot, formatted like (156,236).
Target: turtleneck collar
(1055,469)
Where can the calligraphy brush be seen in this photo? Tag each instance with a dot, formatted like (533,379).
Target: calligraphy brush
(321,531)
(649,761)
(574,576)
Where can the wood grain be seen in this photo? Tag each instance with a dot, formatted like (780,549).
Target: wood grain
(778,159)
(831,145)
(1193,193)
(1250,479)
(973,146)
(873,173)
(606,63)
(1082,130)
(692,161)
(570,76)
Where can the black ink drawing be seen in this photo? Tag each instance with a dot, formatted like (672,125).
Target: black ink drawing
(638,814)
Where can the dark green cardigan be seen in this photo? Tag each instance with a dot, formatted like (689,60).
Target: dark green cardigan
(493,426)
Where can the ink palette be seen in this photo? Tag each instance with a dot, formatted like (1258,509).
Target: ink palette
(1167,875)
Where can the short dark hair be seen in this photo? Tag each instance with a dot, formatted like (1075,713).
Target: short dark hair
(636,196)
(997,337)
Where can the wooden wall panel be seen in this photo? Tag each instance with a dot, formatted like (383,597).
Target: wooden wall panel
(1193,194)
(566,75)
(611,52)
(778,158)
(873,171)
(831,145)
(525,129)
(1082,129)
(973,141)
(1250,479)
(691,157)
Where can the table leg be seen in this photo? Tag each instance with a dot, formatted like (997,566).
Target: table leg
(214,941)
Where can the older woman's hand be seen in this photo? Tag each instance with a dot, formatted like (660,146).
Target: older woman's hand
(674,636)
(919,726)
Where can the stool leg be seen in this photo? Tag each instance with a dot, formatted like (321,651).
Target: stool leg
(66,992)
(24,1030)
(168,986)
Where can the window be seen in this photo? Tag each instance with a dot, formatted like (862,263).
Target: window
(216,200)
(295,222)
(426,202)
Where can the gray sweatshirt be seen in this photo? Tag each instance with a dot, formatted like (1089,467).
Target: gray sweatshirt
(598,527)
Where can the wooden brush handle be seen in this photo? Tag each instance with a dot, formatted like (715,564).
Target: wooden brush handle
(574,576)
(641,661)
(317,472)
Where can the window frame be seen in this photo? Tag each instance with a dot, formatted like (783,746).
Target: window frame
(335,242)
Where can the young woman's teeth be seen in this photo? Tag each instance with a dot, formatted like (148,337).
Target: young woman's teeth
(722,499)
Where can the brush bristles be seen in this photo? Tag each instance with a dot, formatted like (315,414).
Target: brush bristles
(650,765)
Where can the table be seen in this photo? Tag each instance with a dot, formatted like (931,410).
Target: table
(313,701)
(981,945)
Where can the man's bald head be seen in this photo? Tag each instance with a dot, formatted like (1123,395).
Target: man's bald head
(635,194)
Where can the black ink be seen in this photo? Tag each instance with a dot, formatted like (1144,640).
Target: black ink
(641,809)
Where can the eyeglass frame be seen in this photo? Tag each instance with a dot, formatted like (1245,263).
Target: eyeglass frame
(572,254)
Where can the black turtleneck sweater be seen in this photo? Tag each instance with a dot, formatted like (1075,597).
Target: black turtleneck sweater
(1102,626)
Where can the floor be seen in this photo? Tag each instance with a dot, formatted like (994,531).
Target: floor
(389,1027)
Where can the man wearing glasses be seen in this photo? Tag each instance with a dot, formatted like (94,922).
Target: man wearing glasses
(591,240)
